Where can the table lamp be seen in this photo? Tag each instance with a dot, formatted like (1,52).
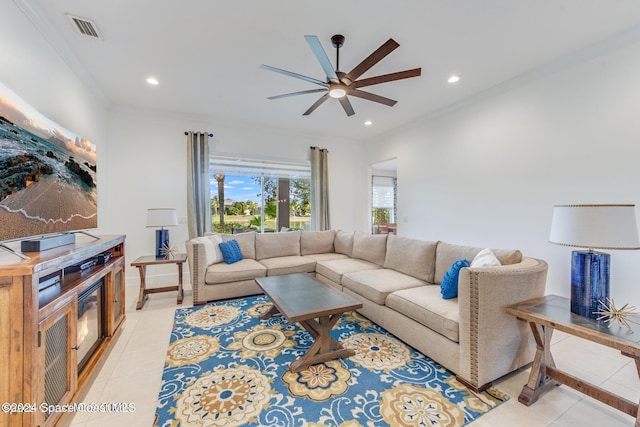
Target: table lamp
(592,227)
(162,217)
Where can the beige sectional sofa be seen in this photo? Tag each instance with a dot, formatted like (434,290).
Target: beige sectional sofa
(397,280)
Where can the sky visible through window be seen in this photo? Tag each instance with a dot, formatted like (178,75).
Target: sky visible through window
(238,188)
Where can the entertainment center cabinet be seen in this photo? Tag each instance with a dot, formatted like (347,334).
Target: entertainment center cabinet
(59,312)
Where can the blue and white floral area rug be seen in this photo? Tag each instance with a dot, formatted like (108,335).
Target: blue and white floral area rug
(226,367)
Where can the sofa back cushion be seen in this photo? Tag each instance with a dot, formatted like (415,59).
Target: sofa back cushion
(411,256)
(508,256)
(485,258)
(447,254)
(246,241)
(343,243)
(368,247)
(212,252)
(317,242)
(271,245)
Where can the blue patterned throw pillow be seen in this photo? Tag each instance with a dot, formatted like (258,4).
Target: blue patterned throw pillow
(230,251)
(449,285)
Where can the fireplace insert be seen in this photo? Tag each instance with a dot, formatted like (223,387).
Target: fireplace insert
(91,322)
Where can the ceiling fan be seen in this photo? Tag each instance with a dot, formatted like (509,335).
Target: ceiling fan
(338,84)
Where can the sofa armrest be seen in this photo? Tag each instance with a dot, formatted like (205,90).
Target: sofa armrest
(196,257)
(492,342)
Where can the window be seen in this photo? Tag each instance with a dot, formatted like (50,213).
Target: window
(383,204)
(257,194)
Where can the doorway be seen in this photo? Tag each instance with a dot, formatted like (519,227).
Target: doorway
(384,189)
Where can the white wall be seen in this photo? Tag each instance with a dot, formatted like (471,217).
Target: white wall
(147,154)
(486,174)
(34,70)
(489,173)
(142,155)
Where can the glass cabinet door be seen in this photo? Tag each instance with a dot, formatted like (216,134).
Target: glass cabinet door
(57,352)
(115,299)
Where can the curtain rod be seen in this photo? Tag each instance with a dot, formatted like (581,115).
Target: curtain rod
(313,147)
(210,134)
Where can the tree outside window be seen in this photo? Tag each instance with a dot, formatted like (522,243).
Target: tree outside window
(259,199)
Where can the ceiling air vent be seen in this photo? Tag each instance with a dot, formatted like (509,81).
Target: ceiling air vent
(84,26)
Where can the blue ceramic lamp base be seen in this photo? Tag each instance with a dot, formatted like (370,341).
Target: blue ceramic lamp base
(162,240)
(589,282)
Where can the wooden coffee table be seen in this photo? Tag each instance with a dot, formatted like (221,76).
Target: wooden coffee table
(301,298)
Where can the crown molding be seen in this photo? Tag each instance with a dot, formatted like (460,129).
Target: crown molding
(226,122)
(603,47)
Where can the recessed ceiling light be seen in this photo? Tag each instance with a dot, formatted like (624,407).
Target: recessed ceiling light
(454,79)
(368,123)
(152,81)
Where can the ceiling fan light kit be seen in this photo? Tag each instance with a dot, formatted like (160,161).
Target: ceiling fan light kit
(339,85)
(337,91)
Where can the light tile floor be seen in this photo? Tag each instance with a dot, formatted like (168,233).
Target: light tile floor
(132,373)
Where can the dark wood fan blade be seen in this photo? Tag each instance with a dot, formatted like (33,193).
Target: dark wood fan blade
(303,92)
(296,75)
(387,78)
(344,101)
(371,60)
(372,97)
(322,57)
(316,104)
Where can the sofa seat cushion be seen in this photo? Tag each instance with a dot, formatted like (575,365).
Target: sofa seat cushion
(376,285)
(335,268)
(326,257)
(245,269)
(425,306)
(288,265)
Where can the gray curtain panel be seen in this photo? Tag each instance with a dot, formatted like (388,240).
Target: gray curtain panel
(320,189)
(198,193)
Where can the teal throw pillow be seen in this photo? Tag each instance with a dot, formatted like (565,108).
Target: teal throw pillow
(449,285)
(230,251)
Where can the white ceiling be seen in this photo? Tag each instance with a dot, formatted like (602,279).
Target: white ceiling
(206,53)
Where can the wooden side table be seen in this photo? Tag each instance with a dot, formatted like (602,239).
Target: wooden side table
(552,312)
(142,263)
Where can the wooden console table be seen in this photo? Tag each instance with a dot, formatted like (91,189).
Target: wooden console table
(553,312)
(142,263)
(40,334)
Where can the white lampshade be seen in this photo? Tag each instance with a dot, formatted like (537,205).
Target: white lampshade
(162,217)
(595,226)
